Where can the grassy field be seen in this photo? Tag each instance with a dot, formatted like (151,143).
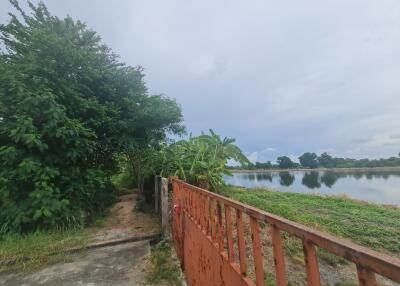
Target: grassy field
(32,251)
(374,226)
(163,268)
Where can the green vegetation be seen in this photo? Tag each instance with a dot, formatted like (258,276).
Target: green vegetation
(312,160)
(285,162)
(164,268)
(68,111)
(35,250)
(74,123)
(200,160)
(374,226)
(327,161)
(309,160)
(143,206)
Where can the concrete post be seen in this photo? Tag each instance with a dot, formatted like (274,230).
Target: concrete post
(165,209)
(157,194)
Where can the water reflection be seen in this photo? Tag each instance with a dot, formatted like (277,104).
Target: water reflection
(371,185)
(329,179)
(311,180)
(285,179)
(264,177)
(314,179)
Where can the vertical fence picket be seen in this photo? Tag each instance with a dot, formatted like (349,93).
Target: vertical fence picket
(229,234)
(196,207)
(241,242)
(207,216)
(215,219)
(200,218)
(365,277)
(192,206)
(202,213)
(212,220)
(185,199)
(188,203)
(220,227)
(203,202)
(257,251)
(210,209)
(279,257)
(311,263)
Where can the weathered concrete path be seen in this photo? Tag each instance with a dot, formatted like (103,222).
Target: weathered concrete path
(113,265)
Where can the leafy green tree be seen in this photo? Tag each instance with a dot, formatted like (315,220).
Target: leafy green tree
(284,162)
(159,116)
(261,165)
(326,160)
(67,108)
(309,160)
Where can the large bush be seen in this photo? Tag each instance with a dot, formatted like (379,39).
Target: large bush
(67,107)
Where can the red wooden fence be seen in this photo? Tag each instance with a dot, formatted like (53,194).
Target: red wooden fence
(213,249)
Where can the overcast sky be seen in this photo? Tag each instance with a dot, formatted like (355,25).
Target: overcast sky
(282,77)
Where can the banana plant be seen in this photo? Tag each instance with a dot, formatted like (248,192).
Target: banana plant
(201,160)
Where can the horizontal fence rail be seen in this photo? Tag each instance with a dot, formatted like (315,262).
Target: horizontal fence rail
(221,221)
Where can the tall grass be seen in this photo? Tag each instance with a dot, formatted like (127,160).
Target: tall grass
(371,225)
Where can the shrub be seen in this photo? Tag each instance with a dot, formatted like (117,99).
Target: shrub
(67,108)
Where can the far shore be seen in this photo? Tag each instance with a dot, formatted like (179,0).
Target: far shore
(364,169)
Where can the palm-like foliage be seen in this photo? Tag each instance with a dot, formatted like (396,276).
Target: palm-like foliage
(224,149)
(200,160)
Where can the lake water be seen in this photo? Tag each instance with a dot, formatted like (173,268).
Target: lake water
(374,186)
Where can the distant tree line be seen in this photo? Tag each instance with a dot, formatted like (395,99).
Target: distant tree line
(312,161)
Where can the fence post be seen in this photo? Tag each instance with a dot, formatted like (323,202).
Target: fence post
(164,209)
(156,194)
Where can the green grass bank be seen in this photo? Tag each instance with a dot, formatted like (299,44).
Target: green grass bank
(32,251)
(374,226)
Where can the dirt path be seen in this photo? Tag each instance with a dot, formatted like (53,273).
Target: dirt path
(124,221)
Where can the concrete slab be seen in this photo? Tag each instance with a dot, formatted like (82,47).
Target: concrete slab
(113,265)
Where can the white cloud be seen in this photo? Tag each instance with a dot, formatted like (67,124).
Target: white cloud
(253,156)
(269,149)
